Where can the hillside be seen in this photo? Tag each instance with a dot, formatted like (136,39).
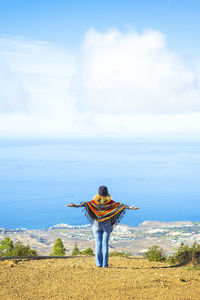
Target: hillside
(78,278)
(135,240)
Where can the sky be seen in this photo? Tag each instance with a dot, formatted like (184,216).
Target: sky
(100,68)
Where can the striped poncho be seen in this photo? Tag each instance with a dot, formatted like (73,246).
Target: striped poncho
(104,208)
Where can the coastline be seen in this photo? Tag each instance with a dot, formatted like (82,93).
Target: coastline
(125,238)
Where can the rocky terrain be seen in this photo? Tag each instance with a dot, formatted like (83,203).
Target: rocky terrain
(134,240)
(79,278)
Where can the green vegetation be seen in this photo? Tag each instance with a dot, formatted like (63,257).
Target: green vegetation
(7,248)
(87,251)
(22,250)
(194,268)
(58,249)
(6,245)
(76,250)
(155,253)
(119,253)
(186,254)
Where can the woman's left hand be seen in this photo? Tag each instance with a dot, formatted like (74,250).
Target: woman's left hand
(133,207)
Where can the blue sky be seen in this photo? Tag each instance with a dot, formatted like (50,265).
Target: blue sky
(99,64)
(65,22)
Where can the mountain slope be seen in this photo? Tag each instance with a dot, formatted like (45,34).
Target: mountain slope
(78,278)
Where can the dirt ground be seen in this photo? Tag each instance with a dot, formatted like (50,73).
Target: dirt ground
(79,278)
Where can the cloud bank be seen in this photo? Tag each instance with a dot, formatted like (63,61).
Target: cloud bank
(135,73)
(116,84)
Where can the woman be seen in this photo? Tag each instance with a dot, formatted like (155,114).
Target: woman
(104,213)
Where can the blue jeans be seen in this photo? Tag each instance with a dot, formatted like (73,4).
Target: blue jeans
(101,232)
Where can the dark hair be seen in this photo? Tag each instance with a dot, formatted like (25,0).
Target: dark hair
(103,191)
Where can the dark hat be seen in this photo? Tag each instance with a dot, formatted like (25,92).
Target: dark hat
(103,191)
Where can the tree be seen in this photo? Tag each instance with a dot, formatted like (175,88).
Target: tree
(87,251)
(22,250)
(186,254)
(58,249)
(76,250)
(155,253)
(195,251)
(7,248)
(6,245)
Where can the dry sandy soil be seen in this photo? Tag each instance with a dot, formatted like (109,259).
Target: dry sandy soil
(79,278)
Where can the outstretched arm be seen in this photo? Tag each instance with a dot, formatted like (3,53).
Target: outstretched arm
(76,205)
(132,207)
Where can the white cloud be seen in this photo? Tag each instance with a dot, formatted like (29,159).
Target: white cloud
(13,96)
(43,71)
(117,84)
(135,73)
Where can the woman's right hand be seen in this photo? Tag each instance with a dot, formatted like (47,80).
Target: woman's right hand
(71,205)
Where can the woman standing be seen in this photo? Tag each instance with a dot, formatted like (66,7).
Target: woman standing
(104,213)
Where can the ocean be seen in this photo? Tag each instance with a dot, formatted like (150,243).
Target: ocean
(38,177)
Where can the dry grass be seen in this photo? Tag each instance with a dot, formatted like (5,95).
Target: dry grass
(78,278)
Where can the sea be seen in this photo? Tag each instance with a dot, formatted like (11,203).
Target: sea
(40,176)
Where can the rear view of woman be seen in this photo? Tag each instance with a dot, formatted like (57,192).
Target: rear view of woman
(103,213)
